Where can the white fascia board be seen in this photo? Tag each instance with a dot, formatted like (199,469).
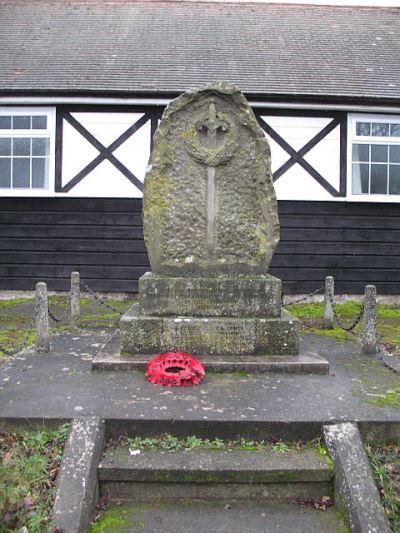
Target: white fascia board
(54,100)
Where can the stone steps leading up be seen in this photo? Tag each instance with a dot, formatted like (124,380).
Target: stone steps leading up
(222,474)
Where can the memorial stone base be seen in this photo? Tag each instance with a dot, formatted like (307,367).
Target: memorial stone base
(226,315)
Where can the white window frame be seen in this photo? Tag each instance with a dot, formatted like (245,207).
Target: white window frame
(50,112)
(353,118)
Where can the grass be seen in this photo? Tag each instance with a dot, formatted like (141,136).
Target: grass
(388,321)
(385,463)
(29,462)
(17,314)
(15,301)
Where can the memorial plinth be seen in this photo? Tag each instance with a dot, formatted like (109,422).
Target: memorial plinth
(211,226)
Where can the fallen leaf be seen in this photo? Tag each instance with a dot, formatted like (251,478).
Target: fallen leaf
(27,503)
(323,503)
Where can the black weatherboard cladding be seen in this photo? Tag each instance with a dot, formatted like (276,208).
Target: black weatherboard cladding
(44,239)
(127,47)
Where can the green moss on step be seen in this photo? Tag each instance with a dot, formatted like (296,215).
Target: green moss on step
(341,516)
(114,519)
(324,454)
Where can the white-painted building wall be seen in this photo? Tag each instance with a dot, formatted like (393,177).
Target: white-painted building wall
(107,181)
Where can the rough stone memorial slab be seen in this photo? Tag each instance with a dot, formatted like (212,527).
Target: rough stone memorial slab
(211,226)
(209,205)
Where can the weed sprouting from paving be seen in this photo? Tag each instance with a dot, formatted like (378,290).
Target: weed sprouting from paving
(173,443)
(29,463)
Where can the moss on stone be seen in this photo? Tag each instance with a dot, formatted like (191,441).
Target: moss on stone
(261,232)
(324,454)
(341,516)
(336,333)
(390,398)
(114,519)
(12,340)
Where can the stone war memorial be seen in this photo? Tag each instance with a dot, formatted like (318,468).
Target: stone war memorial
(211,227)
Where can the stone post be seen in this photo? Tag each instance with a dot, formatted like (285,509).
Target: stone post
(328,298)
(42,318)
(369,334)
(75,297)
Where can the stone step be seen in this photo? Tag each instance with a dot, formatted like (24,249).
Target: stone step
(223,517)
(110,358)
(201,473)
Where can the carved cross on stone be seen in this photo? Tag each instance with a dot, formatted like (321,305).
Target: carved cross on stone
(211,135)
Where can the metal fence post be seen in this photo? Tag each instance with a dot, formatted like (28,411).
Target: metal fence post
(328,299)
(369,340)
(42,318)
(75,298)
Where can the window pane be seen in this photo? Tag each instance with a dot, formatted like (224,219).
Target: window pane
(394,154)
(40,172)
(360,178)
(395,130)
(21,146)
(5,123)
(379,153)
(378,179)
(5,146)
(21,172)
(360,152)
(21,122)
(394,179)
(40,146)
(39,122)
(380,129)
(5,172)
(363,128)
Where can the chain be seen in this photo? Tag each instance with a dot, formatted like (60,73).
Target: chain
(64,315)
(100,300)
(339,322)
(25,342)
(307,296)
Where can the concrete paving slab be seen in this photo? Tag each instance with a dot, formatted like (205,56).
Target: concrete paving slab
(238,517)
(60,384)
(391,361)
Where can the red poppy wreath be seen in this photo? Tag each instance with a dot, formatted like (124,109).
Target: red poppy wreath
(175,369)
